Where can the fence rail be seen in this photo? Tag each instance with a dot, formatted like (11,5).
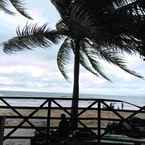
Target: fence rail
(37,113)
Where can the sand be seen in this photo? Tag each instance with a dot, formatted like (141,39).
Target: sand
(55,113)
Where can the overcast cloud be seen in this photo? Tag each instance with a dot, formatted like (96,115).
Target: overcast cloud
(37,70)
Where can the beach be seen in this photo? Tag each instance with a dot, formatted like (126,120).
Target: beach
(25,106)
(11,122)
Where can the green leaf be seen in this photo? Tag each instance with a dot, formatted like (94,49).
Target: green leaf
(31,36)
(112,57)
(63,56)
(86,64)
(88,61)
(18,4)
(3,6)
(132,7)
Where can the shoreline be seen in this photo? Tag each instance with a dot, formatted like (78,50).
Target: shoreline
(28,102)
(134,99)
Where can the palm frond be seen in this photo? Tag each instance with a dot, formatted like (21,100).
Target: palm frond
(63,57)
(86,64)
(112,57)
(82,22)
(110,54)
(18,4)
(96,6)
(108,21)
(131,7)
(31,36)
(90,62)
(129,41)
(84,61)
(62,7)
(118,44)
(92,66)
(3,6)
(119,2)
(97,67)
(109,6)
(124,43)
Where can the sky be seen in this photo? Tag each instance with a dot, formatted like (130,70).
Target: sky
(37,70)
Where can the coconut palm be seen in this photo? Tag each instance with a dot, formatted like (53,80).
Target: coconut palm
(17,4)
(93,31)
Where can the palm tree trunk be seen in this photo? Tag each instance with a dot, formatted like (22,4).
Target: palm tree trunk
(75,94)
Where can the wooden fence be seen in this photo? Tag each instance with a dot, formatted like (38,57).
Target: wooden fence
(37,114)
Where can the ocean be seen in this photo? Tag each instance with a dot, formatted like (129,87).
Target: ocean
(137,100)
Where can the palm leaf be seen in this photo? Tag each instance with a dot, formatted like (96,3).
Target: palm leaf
(132,7)
(83,22)
(18,4)
(106,22)
(97,67)
(63,56)
(89,62)
(31,36)
(84,61)
(119,2)
(86,64)
(3,6)
(62,7)
(92,66)
(124,43)
(121,44)
(112,57)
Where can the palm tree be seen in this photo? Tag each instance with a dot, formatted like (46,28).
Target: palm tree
(93,31)
(17,4)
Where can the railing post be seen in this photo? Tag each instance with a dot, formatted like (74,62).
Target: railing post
(48,122)
(99,121)
(2,122)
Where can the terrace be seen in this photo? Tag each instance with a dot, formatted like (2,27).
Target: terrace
(30,115)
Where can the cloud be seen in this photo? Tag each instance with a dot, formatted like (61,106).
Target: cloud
(37,70)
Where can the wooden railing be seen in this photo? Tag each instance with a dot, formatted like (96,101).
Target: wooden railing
(43,114)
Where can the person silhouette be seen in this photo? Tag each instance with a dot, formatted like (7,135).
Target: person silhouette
(64,126)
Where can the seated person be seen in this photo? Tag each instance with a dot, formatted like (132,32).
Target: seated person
(64,126)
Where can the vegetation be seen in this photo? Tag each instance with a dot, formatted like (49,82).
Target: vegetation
(94,30)
(17,4)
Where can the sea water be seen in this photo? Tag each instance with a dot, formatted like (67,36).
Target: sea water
(137,100)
